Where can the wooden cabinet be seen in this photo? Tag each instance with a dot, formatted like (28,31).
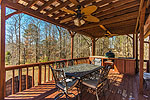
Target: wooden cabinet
(121,65)
(130,66)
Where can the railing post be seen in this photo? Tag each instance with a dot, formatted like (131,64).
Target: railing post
(39,75)
(20,80)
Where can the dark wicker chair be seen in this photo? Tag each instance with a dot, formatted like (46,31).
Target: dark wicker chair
(99,83)
(62,83)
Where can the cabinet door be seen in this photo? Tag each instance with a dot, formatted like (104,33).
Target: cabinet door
(119,65)
(130,67)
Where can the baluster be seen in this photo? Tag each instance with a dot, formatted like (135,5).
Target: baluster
(20,80)
(52,73)
(27,79)
(33,76)
(13,81)
(49,73)
(45,74)
(39,75)
(58,65)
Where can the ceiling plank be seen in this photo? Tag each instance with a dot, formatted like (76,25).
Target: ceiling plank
(118,8)
(112,5)
(111,20)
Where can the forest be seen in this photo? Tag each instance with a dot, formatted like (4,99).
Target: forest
(30,40)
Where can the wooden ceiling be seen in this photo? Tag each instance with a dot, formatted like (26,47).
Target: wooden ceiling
(118,16)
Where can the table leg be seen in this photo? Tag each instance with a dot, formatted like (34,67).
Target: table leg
(81,89)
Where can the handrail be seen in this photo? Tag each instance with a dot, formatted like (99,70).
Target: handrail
(12,67)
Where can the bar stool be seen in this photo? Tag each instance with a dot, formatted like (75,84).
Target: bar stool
(109,63)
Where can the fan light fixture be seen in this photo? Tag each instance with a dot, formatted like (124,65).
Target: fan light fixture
(78,22)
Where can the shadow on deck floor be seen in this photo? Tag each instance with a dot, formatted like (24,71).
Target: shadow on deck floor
(122,87)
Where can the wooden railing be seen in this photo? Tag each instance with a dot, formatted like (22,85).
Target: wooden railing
(47,74)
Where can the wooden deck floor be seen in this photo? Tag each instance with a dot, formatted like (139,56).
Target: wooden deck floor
(122,87)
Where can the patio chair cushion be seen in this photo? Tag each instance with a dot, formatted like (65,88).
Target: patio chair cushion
(90,83)
(70,84)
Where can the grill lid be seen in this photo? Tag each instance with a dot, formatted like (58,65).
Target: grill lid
(110,54)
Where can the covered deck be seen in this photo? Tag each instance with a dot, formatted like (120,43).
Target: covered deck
(117,17)
(122,87)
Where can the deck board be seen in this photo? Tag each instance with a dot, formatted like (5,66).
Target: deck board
(119,83)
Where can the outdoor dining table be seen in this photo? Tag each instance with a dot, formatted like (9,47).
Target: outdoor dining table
(80,71)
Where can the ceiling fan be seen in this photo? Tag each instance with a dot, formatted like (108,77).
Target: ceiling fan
(80,15)
(107,33)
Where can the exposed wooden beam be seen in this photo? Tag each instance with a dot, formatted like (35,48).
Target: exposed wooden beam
(2,51)
(45,5)
(111,20)
(17,12)
(31,3)
(142,18)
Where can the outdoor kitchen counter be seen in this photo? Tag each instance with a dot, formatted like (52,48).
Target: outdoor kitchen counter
(121,65)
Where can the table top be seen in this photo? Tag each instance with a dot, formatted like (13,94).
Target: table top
(81,70)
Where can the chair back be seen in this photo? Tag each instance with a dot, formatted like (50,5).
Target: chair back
(70,62)
(103,76)
(59,76)
(60,64)
(96,61)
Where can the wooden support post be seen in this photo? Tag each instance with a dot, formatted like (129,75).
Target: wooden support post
(142,18)
(134,48)
(93,47)
(72,45)
(2,52)
(148,67)
(72,34)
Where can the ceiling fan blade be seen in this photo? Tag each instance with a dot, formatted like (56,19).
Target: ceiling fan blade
(91,18)
(66,20)
(89,10)
(103,27)
(74,2)
(68,11)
